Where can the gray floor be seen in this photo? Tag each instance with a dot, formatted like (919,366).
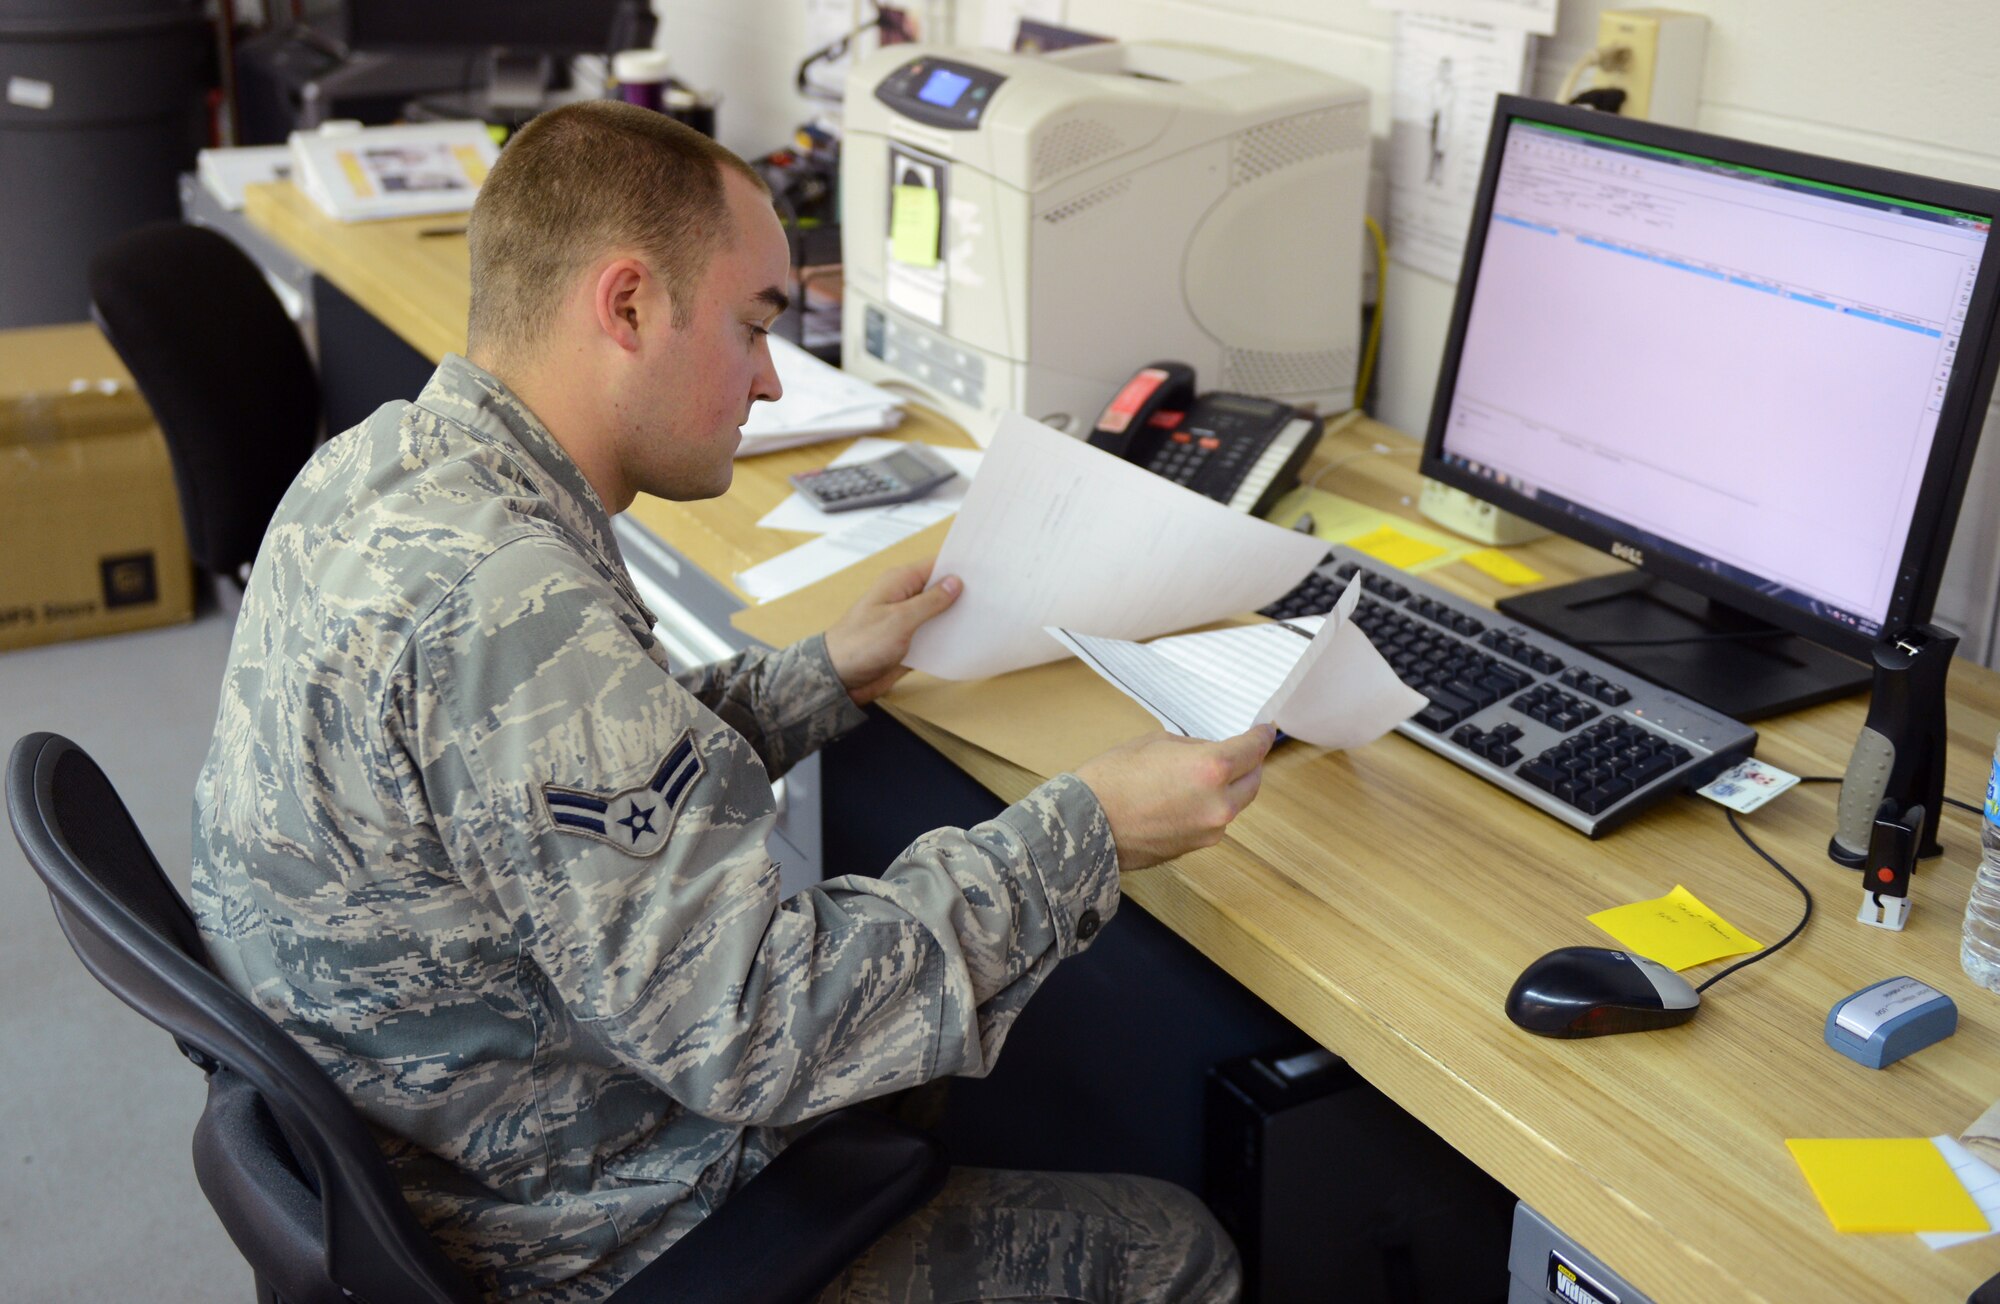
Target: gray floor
(97,1195)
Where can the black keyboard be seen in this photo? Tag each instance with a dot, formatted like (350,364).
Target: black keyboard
(1588,743)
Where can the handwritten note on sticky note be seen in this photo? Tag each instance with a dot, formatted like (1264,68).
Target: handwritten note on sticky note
(1886,1184)
(913,226)
(1391,545)
(1501,567)
(1676,929)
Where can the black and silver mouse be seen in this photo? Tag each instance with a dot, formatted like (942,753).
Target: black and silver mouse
(1592,991)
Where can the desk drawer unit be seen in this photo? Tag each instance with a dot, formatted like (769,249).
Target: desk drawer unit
(1546,1267)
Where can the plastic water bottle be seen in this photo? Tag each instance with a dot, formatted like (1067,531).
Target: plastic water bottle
(1980,951)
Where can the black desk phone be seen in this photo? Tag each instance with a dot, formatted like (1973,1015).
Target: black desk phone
(1242,451)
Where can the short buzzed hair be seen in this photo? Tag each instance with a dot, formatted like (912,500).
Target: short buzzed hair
(576,183)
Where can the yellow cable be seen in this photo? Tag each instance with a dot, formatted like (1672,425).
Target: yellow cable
(1367,373)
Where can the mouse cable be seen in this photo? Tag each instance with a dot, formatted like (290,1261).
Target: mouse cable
(1799,927)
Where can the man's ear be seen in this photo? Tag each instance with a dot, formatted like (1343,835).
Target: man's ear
(620,302)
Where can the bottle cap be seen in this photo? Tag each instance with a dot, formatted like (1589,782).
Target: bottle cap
(634,66)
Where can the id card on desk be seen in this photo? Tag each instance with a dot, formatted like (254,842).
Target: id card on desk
(1747,785)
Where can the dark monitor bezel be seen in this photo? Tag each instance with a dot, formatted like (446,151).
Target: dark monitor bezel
(526,26)
(1959,418)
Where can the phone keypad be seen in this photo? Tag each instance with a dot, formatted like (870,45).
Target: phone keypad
(1187,454)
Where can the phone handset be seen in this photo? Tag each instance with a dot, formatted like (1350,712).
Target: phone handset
(1144,410)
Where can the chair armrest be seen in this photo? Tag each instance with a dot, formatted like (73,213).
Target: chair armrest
(797,1225)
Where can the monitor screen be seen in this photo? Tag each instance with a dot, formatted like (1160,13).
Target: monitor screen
(1729,362)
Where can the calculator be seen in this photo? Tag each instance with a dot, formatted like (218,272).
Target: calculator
(896,477)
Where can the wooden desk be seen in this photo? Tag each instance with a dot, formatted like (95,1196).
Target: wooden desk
(1384,901)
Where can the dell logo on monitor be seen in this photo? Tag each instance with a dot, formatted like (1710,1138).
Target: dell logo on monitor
(1626,552)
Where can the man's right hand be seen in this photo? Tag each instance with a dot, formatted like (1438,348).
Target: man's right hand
(1166,796)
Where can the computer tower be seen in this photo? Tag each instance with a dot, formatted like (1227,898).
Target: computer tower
(1332,1192)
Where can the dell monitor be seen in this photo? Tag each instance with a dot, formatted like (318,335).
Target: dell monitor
(1758,376)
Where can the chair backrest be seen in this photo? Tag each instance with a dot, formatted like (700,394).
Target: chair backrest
(132,930)
(225,372)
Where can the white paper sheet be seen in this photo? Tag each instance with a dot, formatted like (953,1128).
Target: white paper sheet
(1981,1183)
(1443,77)
(1055,532)
(796,513)
(811,562)
(1332,690)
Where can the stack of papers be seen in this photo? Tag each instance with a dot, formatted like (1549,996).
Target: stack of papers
(819,403)
(363,174)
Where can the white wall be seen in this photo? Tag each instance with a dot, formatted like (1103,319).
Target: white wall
(1896,85)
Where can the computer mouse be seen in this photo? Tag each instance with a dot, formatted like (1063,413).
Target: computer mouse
(1592,991)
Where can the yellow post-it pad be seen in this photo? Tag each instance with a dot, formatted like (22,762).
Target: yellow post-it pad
(1389,544)
(1676,929)
(1886,1184)
(913,226)
(1501,567)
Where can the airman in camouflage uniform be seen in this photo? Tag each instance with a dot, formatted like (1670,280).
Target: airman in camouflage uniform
(466,835)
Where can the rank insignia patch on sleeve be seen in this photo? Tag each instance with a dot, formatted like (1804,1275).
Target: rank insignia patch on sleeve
(634,820)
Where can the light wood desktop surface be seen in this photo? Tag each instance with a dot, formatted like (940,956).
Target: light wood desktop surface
(1384,900)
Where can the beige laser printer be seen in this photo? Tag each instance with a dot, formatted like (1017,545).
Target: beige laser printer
(1025,232)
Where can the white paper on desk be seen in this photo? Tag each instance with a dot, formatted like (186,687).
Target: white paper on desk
(796,513)
(1980,1182)
(819,402)
(1332,689)
(811,562)
(1055,532)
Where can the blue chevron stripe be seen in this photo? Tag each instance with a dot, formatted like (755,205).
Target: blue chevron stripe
(578,821)
(675,759)
(687,776)
(580,800)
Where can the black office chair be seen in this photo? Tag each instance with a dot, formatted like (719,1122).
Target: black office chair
(225,372)
(292,1170)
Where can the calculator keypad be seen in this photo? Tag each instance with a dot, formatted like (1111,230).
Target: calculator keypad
(840,483)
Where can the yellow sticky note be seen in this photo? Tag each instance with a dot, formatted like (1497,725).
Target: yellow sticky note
(913,226)
(1391,545)
(1886,1184)
(1676,929)
(1501,567)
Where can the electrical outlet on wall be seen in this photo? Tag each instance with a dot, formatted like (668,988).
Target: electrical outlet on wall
(1659,65)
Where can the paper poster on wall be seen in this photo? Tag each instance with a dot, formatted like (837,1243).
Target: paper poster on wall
(1537,16)
(1443,79)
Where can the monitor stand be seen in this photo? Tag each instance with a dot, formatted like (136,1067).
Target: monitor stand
(1748,679)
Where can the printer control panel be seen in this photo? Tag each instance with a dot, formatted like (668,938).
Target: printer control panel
(940,92)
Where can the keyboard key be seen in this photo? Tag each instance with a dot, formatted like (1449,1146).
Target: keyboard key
(1542,775)
(1435,718)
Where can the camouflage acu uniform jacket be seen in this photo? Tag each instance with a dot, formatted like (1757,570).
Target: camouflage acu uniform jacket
(467,837)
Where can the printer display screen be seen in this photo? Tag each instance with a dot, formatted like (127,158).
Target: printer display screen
(943,87)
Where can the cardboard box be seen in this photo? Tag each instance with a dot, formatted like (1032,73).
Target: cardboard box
(90,526)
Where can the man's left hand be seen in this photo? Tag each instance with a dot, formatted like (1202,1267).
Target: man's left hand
(868,644)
